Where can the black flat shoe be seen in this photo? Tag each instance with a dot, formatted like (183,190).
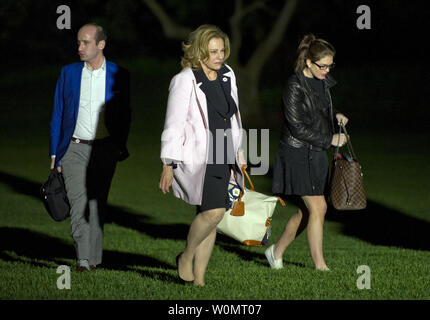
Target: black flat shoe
(82,269)
(182,281)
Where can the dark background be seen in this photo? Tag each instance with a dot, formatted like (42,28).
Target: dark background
(383,84)
(381,71)
(28,28)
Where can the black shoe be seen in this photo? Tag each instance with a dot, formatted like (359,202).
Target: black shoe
(81,269)
(182,281)
(93,267)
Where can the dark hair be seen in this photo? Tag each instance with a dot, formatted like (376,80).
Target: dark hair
(100,32)
(314,49)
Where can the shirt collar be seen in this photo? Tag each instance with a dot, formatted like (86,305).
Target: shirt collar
(102,68)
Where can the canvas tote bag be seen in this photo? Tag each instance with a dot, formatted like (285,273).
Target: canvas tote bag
(249,219)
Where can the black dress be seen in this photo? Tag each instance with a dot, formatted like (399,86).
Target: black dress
(302,171)
(220,110)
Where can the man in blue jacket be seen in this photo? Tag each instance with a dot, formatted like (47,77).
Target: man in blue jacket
(89,130)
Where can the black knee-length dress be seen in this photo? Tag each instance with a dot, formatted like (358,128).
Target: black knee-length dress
(220,108)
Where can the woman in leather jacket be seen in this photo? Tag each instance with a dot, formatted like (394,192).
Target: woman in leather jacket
(301,164)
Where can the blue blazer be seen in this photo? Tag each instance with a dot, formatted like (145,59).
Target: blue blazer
(66,106)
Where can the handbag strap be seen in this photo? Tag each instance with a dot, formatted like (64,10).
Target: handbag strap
(348,143)
(239,206)
(338,143)
(245,174)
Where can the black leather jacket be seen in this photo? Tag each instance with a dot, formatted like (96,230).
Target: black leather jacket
(307,122)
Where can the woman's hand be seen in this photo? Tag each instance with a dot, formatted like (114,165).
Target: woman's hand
(339,139)
(341,119)
(166,179)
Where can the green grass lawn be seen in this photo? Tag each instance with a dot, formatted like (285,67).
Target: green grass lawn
(146,230)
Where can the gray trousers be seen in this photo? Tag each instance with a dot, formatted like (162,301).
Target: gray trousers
(88,171)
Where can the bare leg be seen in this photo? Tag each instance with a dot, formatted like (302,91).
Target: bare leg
(317,208)
(202,227)
(201,258)
(292,229)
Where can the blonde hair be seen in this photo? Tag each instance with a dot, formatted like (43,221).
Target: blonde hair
(196,46)
(313,49)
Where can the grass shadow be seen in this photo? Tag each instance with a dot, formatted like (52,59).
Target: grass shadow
(26,246)
(115,214)
(141,223)
(380,225)
(160,275)
(42,250)
(377,224)
(240,250)
(21,185)
(383,226)
(32,247)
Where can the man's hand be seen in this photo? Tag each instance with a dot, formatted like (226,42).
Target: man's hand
(166,179)
(53,164)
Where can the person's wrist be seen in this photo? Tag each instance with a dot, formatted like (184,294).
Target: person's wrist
(172,165)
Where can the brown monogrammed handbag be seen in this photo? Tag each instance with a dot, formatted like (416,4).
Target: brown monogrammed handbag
(346,183)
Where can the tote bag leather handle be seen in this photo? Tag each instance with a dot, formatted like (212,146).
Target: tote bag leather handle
(245,174)
(239,207)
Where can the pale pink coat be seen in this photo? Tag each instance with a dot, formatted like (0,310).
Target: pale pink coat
(185,135)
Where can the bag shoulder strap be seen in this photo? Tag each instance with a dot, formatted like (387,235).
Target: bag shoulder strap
(348,143)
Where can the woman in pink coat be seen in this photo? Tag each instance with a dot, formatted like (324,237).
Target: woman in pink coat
(200,143)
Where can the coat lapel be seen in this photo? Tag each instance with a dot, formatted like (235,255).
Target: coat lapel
(111,75)
(225,78)
(77,79)
(200,96)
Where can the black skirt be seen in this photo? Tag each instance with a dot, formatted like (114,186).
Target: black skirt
(215,188)
(299,171)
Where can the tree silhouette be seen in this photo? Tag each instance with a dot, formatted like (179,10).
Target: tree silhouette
(248,72)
